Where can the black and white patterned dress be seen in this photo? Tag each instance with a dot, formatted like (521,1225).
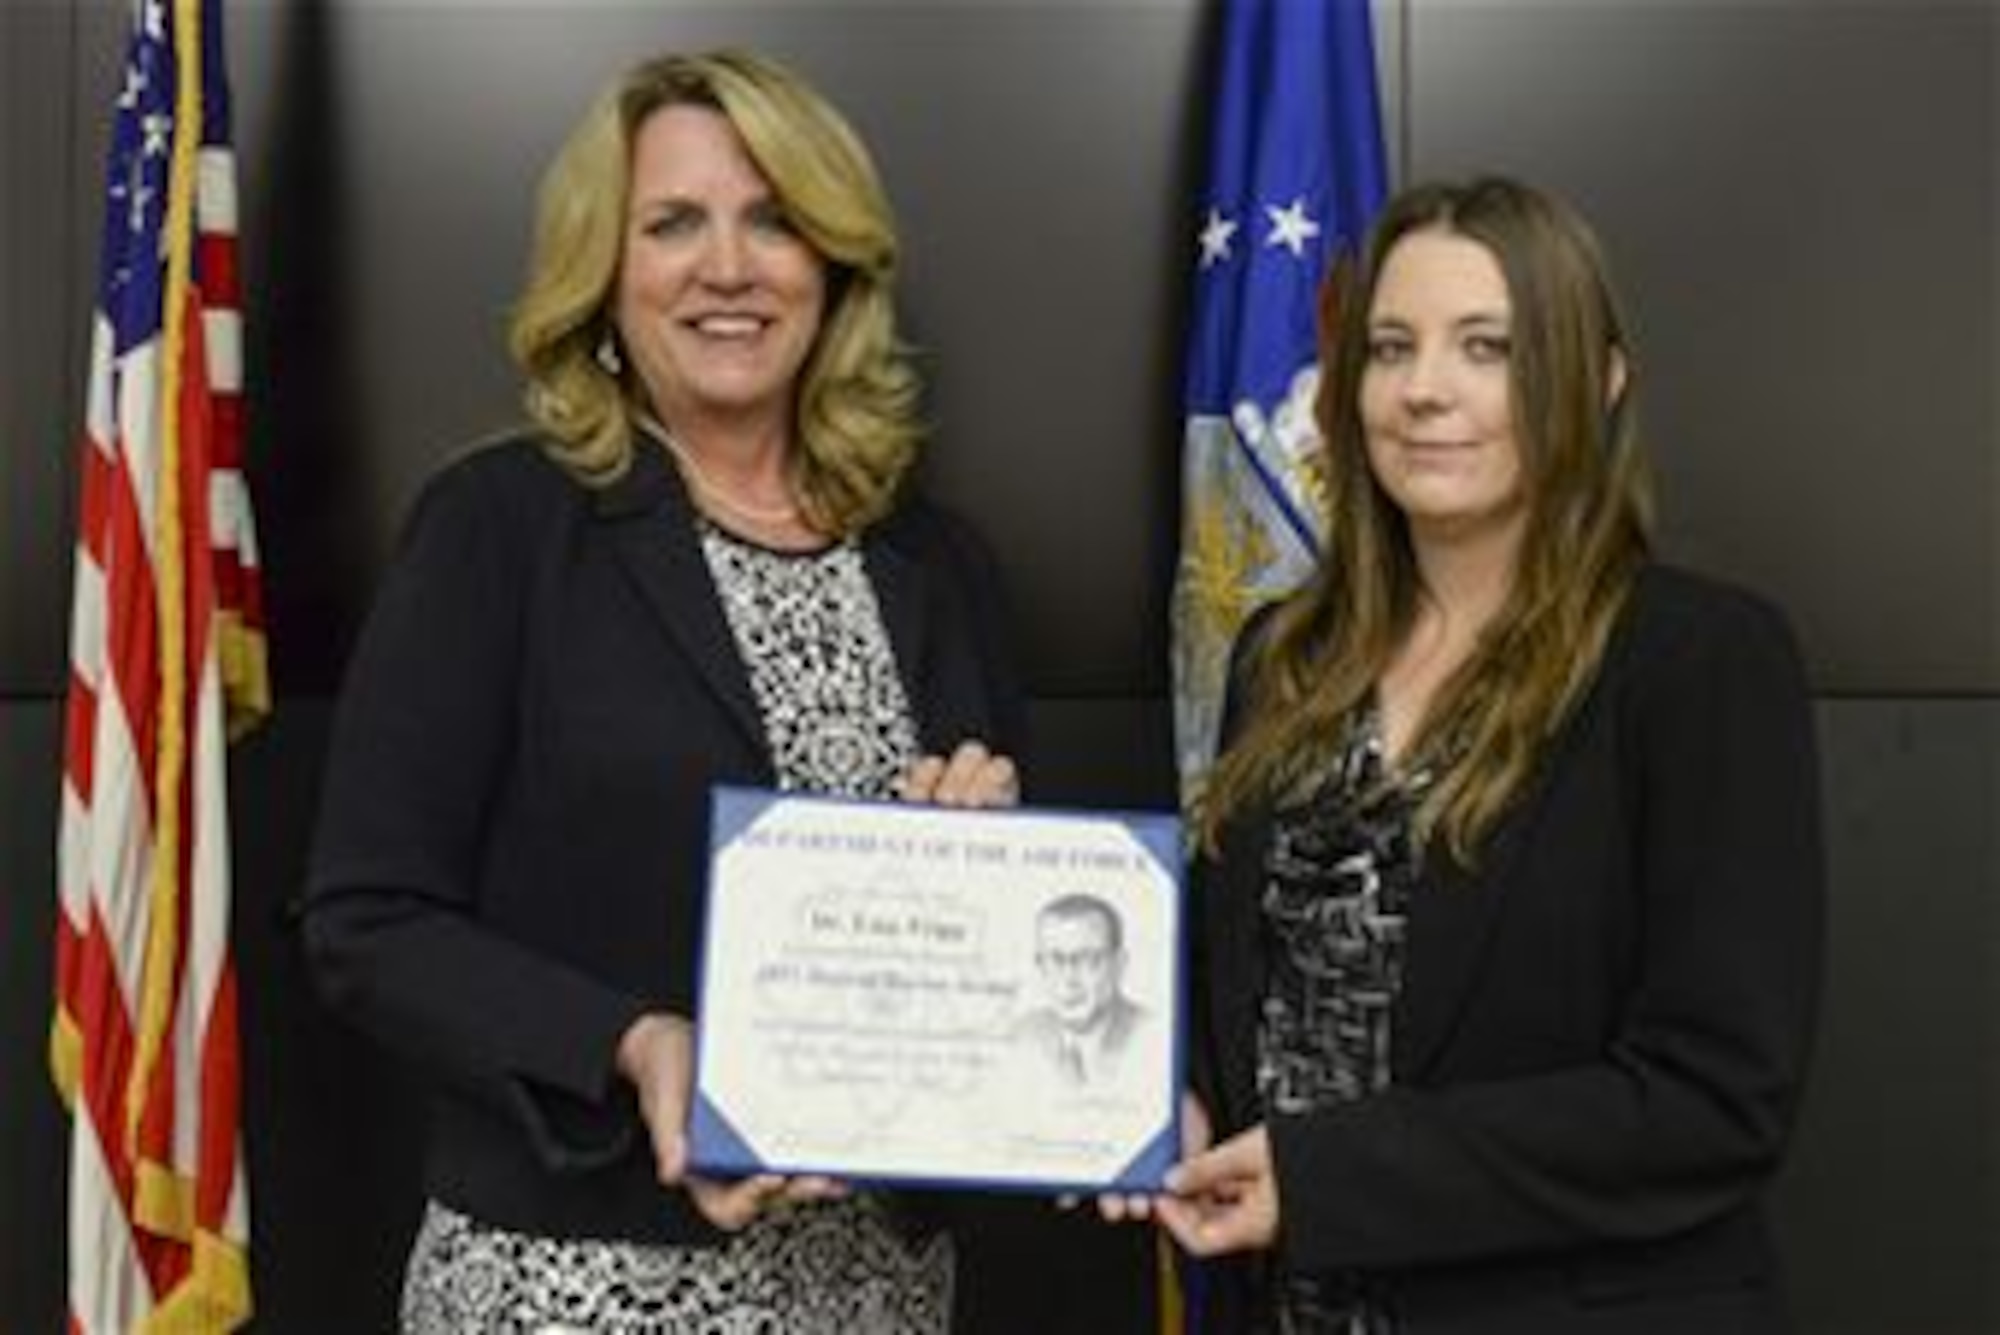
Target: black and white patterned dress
(838,721)
(1336,893)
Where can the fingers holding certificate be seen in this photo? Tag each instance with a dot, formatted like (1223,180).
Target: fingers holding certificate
(939,995)
(970,776)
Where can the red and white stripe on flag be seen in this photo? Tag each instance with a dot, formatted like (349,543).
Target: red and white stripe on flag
(167,661)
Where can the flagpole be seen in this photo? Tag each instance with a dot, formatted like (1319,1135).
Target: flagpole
(1296,172)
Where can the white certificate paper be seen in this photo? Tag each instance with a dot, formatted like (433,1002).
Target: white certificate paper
(927,995)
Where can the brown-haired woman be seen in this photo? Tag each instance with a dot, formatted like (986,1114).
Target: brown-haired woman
(1509,935)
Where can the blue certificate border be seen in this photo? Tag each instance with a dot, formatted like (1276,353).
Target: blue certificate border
(716,1148)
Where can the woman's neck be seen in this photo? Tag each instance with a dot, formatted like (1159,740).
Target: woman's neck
(1466,581)
(1467,576)
(741,479)
(1463,598)
(749,456)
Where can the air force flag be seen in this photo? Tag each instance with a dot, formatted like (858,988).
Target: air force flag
(1296,173)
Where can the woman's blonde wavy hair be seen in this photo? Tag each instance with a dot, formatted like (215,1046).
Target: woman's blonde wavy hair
(856,427)
(1573,383)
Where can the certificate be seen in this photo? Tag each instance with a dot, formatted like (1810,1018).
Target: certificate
(939,996)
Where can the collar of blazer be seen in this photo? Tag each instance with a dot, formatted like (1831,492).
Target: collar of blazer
(651,522)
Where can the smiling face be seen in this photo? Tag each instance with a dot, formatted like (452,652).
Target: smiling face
(1437,401)
(718,300)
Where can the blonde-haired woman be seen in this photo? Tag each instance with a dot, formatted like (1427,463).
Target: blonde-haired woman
(701,565)
(1511,902)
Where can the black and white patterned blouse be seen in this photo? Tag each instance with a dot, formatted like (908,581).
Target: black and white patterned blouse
(820,664)
(838,721)
(1337,883)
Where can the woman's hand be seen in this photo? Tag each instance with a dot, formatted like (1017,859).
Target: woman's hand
(971,777)
(1224,1200)
(657,1055)
(733,1205)
(1196,1133)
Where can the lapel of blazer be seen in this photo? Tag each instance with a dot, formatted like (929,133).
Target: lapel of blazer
(1236,967)
(1452,916)
(652,531)
(900,594)
(1454,911)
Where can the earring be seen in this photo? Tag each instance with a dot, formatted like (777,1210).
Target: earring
(608,356)
(546,404)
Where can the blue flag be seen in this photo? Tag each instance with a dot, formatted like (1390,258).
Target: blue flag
(1296,174)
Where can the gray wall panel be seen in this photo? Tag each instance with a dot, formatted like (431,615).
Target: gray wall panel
(1890,1211)
(38,389)
(1799,198)
(32,1145)
(332,1122)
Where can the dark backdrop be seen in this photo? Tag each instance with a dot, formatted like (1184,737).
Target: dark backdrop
(1801,200)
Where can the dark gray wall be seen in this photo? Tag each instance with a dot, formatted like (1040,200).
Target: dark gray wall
(37,327)
(1801,201)
(1891,1211)
(38,322)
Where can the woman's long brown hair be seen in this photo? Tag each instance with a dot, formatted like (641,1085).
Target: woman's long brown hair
(1588,528)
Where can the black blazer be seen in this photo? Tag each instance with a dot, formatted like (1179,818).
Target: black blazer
(1603,1029)
(514,815)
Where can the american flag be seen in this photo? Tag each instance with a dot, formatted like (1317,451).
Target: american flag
(1296,174)
(166,661)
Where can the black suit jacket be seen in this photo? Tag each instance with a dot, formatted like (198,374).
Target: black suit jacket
(1604,1027)
(514,814)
